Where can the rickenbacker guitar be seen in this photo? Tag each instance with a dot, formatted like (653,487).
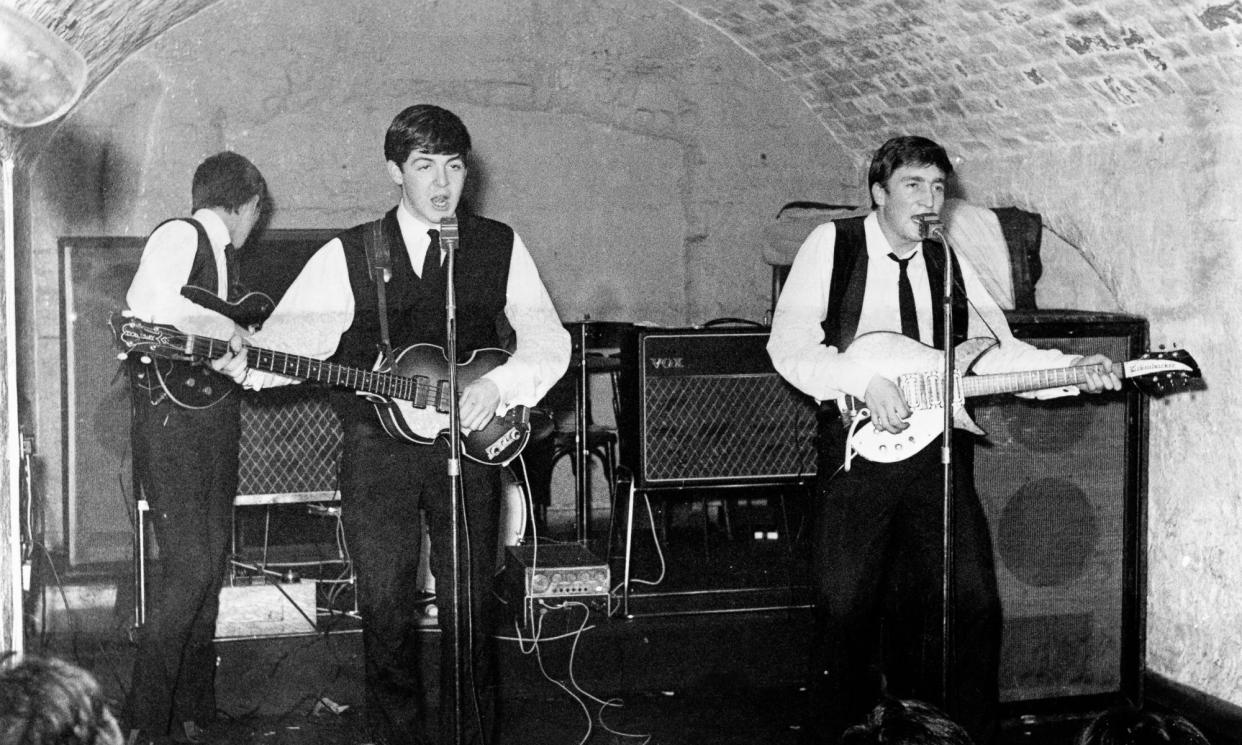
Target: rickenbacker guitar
(411,398)
(918,371)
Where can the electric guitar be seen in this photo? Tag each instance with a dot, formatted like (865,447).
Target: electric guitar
(918,371)
(411,397)
(249,311)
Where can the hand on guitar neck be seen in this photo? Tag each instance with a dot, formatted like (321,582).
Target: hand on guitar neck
(1101,373)
(233,362)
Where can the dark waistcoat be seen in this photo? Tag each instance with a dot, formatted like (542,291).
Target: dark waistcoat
(416,309)
(849,282)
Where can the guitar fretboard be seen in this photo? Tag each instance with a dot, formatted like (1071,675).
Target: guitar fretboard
(1029,380)
(417,389)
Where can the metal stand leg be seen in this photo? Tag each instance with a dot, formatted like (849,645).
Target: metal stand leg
(140,564)
(629,549)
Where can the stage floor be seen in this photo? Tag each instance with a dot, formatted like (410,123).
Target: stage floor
(714,652)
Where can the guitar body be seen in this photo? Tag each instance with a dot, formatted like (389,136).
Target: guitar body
(191,385)
(895,355)
(249,311)
(499,442)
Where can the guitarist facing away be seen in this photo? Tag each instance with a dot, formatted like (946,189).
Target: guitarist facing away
(333,310)
(877,551)
(185,446)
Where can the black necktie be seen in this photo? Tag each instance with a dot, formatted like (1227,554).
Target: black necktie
(431,261)
(905,299)
(234,271)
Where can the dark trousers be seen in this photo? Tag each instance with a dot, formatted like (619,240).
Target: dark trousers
(186,462)
(384,482)
(878,560)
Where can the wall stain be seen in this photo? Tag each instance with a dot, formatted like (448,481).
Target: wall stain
(1085,44)
(1219,16)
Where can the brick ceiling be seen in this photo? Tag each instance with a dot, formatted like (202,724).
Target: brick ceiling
(984,74)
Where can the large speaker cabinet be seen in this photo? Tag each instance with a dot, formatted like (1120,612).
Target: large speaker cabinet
(1063,486)
(704,407)
(98,509)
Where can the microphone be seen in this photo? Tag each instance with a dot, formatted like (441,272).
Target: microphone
(930,225)
(449,237)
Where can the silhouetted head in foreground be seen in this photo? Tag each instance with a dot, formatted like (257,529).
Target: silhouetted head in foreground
(45,701)
(1130,726)
(906,722)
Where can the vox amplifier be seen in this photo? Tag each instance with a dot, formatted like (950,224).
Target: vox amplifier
(704,407)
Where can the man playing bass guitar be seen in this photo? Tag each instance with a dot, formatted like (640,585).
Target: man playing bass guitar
(336,309)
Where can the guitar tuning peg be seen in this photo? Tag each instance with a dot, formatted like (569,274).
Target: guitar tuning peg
(146,359)
(121,355)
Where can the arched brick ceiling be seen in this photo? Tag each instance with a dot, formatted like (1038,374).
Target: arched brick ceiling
(981,74)
(991,74)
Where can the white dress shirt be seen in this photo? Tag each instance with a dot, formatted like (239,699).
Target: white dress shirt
(796,341)
(155,293)
(319,307)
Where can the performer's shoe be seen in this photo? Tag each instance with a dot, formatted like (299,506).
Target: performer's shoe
(190,734)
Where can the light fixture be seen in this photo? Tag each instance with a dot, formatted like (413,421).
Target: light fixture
(41,75)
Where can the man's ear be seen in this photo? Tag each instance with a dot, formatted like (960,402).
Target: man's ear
(394,173)
(879,194)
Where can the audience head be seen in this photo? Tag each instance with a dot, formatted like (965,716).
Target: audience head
(906,722)
(1128,725)
(46,701)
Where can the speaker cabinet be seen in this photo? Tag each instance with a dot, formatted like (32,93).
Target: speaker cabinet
(290,445)
(1062,484)
(95,273)
(704,407)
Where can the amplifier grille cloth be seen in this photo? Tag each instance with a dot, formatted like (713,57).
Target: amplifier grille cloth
(726,427)
(290,443)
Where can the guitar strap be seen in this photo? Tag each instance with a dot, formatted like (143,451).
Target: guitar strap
(203,271)
(379,265)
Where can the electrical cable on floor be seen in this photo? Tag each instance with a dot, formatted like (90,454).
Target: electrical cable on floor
(534,642)
(613,702)
(534,648)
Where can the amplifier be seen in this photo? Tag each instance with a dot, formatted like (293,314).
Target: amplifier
(551,575)
(704,407)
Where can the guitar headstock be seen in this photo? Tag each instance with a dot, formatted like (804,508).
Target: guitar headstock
(135,335)
(1164,371)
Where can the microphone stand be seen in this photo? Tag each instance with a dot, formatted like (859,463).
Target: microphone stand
(449,239)
(931,227)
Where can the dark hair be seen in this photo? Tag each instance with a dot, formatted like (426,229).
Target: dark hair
(427,129)
(45,701)
(227,180)
(906,722)
(1127,725)
(905,151)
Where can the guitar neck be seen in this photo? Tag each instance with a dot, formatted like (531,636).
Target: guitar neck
(1030,380)
(309,368)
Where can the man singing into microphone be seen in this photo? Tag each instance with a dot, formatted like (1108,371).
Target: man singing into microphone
(878,527)
(333,310)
